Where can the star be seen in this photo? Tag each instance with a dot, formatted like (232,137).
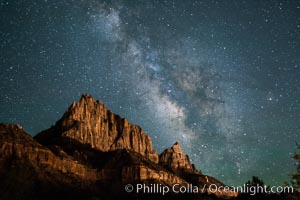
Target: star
(221,78)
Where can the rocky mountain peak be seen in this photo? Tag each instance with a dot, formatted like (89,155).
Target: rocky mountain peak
(88,100)
(176,148)
(174,158)
(87,96)
(88,149)
(90,122)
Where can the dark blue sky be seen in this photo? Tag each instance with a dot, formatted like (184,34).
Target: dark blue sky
(220,77)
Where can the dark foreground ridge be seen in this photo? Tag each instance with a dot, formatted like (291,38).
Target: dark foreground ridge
(92,153)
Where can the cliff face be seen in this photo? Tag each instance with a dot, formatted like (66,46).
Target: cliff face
(90,122)
(92,151)
(175,159)
(17,144)
(29,170)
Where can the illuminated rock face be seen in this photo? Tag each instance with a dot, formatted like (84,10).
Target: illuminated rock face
(88,148)
(174,158)
(90,122)
(17,144)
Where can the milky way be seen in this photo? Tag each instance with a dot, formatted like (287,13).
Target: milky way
(220,77)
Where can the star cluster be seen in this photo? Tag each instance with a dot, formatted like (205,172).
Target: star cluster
(220,77)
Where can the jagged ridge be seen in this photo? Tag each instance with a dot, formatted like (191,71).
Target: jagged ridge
(175,159)
(95,146)
(90,122)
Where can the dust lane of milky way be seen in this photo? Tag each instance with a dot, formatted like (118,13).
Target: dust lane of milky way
(221,77)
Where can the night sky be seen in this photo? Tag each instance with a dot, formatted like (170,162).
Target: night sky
(220,77)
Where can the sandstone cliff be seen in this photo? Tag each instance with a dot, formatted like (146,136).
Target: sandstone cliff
(31,170)
(90,122)
(17,144)
(93,152)
(174,158)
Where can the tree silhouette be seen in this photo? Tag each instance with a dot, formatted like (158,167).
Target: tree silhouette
(257,193)
(296,176)
(255,182)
